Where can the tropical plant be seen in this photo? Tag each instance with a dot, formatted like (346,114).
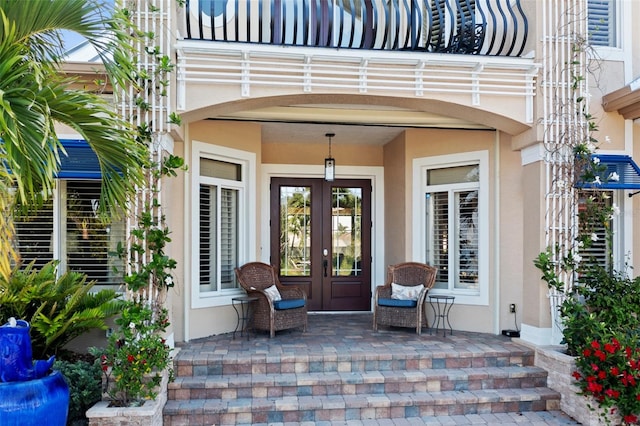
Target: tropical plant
(59,309)
(137,355)
(85,387)
(36,96)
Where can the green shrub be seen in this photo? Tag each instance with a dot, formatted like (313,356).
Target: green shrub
(85,387)
(59,309)
(603,305)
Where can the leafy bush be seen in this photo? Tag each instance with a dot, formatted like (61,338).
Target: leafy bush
(604,305)
(136,355)
(59,309)
(85,387)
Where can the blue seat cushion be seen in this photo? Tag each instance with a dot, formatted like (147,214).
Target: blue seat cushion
(288,304)
(397,303)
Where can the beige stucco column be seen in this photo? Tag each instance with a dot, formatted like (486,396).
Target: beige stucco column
(536,314)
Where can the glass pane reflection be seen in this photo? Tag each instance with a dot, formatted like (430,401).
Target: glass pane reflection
(346,231)
(295,231)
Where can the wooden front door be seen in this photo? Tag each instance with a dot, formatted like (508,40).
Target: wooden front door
(321,240)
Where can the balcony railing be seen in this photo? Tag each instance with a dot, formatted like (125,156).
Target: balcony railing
(485,27)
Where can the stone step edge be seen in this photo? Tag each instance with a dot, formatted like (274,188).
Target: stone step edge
(200,358)
(342,402)
(255,366)
(355,378)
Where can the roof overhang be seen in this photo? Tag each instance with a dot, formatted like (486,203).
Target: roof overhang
(625,101)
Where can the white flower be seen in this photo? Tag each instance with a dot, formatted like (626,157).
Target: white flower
(607,139)
(614,177)
(594,237)
(132,325)
(591,147)
(597,181)
(577,259)
(616,210)
(168,280)
(596,160)
(580,243)
(560,183)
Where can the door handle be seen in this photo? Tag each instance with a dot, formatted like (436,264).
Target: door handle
(325,265)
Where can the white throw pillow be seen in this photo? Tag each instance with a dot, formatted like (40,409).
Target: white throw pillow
(405,292)
(273,293)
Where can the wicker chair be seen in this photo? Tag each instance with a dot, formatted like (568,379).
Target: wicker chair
(257,278)
(417,279)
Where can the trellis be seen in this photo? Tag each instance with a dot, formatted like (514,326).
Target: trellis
(565,101)
(148,108)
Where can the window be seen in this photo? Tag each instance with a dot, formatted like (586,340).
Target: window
(600,252)
(221,228)
(454,223)
(602,19)
(66,227)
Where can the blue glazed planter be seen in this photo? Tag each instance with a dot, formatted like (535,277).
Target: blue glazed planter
(36,402)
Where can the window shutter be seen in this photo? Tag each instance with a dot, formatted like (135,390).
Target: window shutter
(88,240)
(34,234)
(438,207)
(208,253)
(228,237)
(467,240)
(601,23)
(600,251)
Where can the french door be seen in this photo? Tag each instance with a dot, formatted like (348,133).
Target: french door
(321,240)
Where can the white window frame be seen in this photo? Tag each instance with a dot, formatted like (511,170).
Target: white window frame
(246,215)
(420,167)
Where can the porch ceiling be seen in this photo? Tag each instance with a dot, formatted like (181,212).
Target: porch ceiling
(353,124)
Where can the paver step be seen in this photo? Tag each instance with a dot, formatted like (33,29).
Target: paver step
(358,407)
(367,382)
(211,364)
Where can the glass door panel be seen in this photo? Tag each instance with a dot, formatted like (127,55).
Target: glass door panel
(346,231)
(295,231)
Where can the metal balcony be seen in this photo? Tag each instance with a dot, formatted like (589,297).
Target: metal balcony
(472,27)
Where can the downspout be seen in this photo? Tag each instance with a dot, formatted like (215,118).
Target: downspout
(496,233)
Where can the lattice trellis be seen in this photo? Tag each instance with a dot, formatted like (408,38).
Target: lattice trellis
(148,108)
(565,96)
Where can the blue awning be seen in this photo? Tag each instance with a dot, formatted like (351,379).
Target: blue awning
(623,165)
(80,162)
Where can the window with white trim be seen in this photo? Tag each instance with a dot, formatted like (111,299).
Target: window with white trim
(220,223)
(603,23)
(454,193)
(67,227)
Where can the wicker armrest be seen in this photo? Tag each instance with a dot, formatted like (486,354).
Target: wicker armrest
(383,291)
(292,293)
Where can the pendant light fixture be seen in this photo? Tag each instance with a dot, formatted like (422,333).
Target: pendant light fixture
(329,162)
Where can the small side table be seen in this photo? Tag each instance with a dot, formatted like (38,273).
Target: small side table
(441,306)
(242,306)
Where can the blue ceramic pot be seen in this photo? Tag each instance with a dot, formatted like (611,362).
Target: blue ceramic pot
(36,402)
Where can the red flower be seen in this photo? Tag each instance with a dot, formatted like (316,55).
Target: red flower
(611,393)
(630,418)
(615,371)
(600,355)
(594,367)
(602,375)
(616,343)
(130,358)
(638,397)
(577,375)
(609,348)
(586,352)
